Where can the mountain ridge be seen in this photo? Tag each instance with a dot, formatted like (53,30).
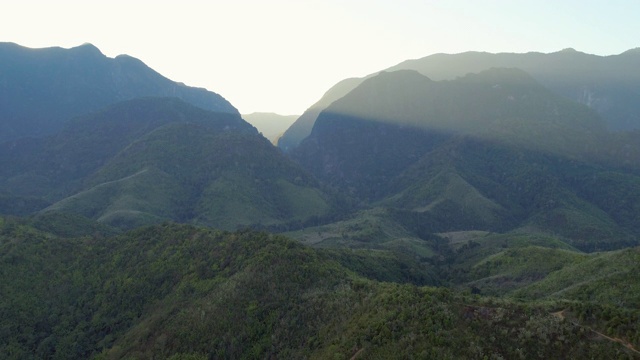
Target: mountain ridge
(43,88)
(607,84)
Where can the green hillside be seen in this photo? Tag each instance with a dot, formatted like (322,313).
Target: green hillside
(55,166)
(603,278)
(518,267)
(175,291)
(189,173)
(151,159)
(501,188)
(376,231)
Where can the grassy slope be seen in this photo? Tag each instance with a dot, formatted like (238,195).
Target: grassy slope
(609,277)
(369,229)
(189,173)
(527,266)
(517,267)
(499,188)
(57,166)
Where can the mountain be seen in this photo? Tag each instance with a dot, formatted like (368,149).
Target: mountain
(271,125)
(455,218)
(40,89)
(152,159)
(185,173)
(303,125)
(181,292)
(391,120)
(54,166)
(493,151)
(608,84)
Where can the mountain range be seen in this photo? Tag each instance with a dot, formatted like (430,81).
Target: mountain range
(608,84)
(488,151)
(458,206)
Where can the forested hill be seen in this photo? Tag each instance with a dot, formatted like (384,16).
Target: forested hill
(150,159)
(55,165)
(43,88)
(179,292)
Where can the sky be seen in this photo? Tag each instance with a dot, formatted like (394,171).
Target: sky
(281,55)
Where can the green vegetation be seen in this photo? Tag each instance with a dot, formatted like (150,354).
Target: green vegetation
(57,166)
(149,160)
(603,278)
(369,229)
(516,267)
(20,206)
(181,292)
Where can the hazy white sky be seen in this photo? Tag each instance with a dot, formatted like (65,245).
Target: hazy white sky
(282,55)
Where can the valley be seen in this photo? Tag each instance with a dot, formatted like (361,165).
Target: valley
(457,206)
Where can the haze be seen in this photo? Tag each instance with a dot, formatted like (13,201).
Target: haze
(281,56)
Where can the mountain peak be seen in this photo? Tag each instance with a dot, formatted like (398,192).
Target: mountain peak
(87,49)
(88,46)
(570,51)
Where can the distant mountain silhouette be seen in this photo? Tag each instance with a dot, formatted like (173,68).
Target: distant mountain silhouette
(608,84)
(271,125)
(42,88)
